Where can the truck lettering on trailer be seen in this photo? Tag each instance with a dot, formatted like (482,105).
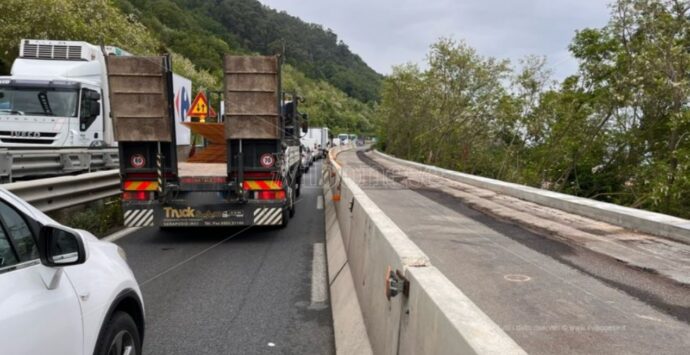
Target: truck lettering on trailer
(189,212)
(179,213)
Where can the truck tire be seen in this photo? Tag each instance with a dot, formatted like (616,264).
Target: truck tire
(298,189)
(286,218)
(291,205)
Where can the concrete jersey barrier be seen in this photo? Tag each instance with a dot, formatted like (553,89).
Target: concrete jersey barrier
(662,225)
(434,317)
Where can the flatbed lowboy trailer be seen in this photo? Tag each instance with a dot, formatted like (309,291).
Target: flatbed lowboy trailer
(248,174)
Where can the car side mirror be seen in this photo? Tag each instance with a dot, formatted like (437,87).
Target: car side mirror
(59,246)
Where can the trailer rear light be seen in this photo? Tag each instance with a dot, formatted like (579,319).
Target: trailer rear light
(137,195)
(270,195)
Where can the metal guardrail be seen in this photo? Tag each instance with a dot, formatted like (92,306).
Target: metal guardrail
(23,163)
(59,192)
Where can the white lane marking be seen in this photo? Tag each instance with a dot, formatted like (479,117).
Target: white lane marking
(648,317)
(319,293)
(319,203)
(123,233)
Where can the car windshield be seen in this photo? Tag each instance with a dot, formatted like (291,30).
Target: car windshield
(38,100)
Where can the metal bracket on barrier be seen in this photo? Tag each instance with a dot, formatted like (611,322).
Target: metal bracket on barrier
(396,282)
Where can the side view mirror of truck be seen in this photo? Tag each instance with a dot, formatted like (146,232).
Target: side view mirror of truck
(94,109)
(92,95)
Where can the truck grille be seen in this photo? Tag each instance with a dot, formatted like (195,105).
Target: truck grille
(49,51)
(40,138)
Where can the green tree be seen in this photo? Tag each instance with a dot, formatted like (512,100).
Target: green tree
(618,130)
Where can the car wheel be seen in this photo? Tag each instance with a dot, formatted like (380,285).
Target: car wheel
(121,337)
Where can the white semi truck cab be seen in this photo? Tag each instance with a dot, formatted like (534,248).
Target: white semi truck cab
(54,97)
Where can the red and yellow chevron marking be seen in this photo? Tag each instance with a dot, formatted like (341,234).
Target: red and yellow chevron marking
(140,186)
(262,185)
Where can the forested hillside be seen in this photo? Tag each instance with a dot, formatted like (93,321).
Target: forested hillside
(618,130)
(205,30)
(198,43)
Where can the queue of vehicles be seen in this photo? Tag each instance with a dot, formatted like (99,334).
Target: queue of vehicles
(67,95)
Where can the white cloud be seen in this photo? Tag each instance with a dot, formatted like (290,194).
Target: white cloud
(389,32)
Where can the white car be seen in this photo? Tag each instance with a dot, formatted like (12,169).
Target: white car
(63,291)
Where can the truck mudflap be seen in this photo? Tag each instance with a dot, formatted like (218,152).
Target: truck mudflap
(139,217)
(268,216)
(139,213)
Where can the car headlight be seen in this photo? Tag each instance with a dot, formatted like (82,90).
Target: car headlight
(122,253)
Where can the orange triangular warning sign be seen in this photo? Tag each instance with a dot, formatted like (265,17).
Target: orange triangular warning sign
(200,107)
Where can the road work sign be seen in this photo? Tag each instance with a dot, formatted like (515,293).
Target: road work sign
(200,107)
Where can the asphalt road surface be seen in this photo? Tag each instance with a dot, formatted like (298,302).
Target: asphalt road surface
(550,297)
(234,290)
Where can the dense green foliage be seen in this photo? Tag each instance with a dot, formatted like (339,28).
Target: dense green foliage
(100,218)
(327,106)
(96,22)
(92,21)
(205,30)
(618,131)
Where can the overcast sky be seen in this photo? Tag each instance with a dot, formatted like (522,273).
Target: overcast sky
(389,32)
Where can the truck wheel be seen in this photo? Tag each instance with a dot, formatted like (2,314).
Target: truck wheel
(286,218)
(298,188)
(291,205)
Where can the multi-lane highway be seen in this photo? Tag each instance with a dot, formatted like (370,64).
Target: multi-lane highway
(237,291)
(264,290)
(550,295)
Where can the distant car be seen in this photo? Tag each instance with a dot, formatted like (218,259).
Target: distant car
(63,291)
(315,153)
(306,159)
(319,152)
(343,139)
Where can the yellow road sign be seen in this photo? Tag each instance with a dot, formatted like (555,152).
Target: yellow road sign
(200,107)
